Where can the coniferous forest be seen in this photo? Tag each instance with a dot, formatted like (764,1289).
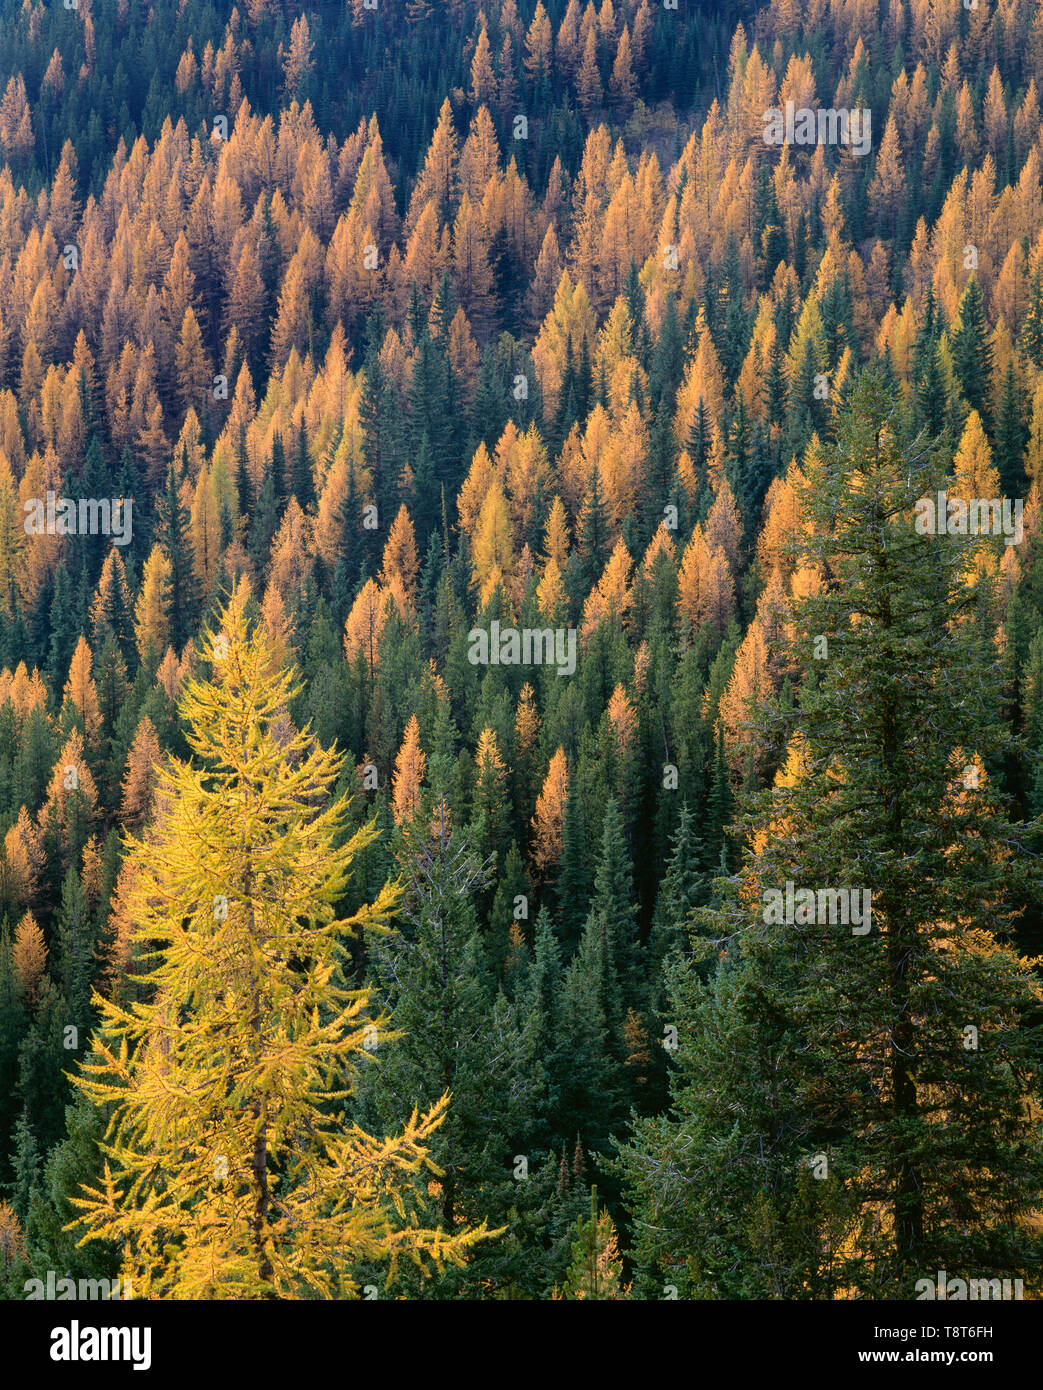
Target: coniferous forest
(521,651)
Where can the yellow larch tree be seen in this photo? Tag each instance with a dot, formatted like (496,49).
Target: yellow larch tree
(206,532)
(492,554)
(439,178)
(538,45)
(976,474)
(12,1238)
(401,559)
(139,779)
(550,811)
(569,322)
(752,681)
(611,595)
(365,625)
(624,463)
(551,598)
(483,78)
(888,186)
(72,797)
(195,371)
(472,493)
(230,1169)
(1034,448)
(29,954)
(556,534)
(24,856)
(703,382)
(781,526)
(292,549)
(81,691)
(152,609)
(724,524)
(408,776)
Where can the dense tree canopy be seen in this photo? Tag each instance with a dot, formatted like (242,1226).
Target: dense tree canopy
(455,443)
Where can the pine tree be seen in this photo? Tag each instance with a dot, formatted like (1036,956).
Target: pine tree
(174,536)
(229,1171)
(574,878)
(719,806)
(682,889)
(43,1058)
(62,624)
(450,1032)
(302,485)
(1012,435)
(13,1021)
(26,1167)
(74,1162)
(75,941)
(585,1065)
(931,395)
(593,537)
(596,1270)
(613,904)
(1030,340)
(972,351)
(891,1057)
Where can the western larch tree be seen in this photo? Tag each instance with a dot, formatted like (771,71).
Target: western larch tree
(231,1170)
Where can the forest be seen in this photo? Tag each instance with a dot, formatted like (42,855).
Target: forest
(521,649)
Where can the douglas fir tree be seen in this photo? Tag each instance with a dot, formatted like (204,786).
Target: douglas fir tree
(850,1105)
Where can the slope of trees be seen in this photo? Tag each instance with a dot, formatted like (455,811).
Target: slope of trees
(406,324)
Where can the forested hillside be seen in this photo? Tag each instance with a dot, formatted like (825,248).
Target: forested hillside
(464,571)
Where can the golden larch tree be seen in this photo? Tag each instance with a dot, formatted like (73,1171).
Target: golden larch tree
(550,811)
(406,780)
(152,609)
(400,556)
(29,954)
(230,1169)
(81,691)
(365,625)
(139,779)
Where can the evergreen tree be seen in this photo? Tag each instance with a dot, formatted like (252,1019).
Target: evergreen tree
(574,880)
(972,351)
(449,1032)
(26,1167)
(613,905)
(865,1125)
(596,1269)
(72,1164)
(1030,340)
(175,538)
(62,626)
(1011,436)
(682,889)
(301,482)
